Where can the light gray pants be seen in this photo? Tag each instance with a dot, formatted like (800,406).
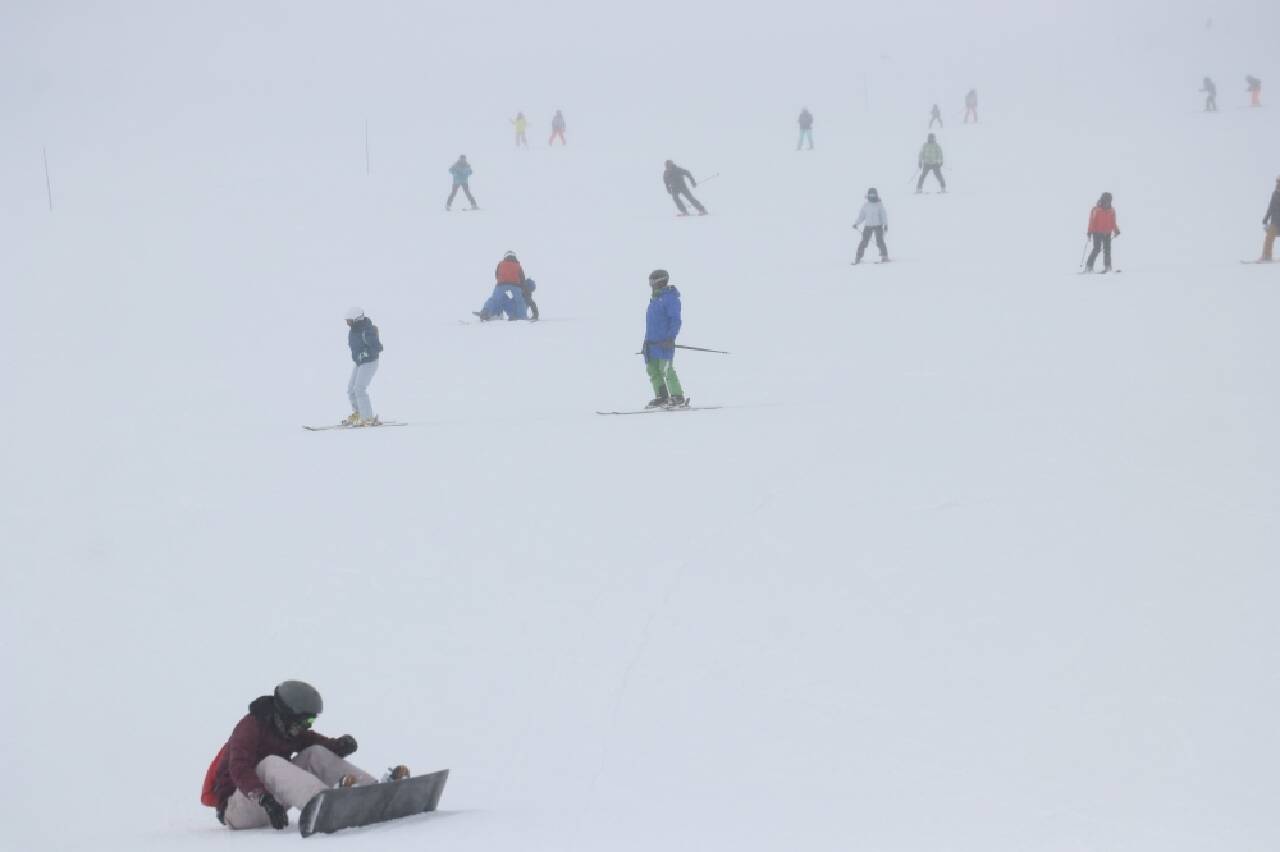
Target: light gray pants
(292,783)
(358,388)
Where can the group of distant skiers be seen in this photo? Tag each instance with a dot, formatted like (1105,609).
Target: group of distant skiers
(521,125)
(1252,85)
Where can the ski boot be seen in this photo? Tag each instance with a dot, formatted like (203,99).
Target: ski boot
(396,773)
(678,402)
(352,420)
(659,401)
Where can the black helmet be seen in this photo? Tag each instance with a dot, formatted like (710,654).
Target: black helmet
(659,278)
(872,194)
(1106,198)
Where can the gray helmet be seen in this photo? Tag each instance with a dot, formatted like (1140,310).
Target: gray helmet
(298,698)
(659,278)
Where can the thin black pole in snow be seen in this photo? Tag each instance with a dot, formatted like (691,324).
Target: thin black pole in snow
(48,184)
(366,147)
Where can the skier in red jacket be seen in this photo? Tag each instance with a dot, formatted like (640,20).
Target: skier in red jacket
(274,761)
(1102,226)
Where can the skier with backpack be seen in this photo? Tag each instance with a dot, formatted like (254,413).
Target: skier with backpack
(674,177)
(557,129)
(1210,95)
(461,171)
(930,160)
(1272,223)
(273,761)
(876,220)
(511,292)
(1254,89)
(806,128)
(1102,227)
(366,347)
(662,323)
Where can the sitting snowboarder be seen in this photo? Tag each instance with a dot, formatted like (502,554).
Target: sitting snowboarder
(511,292)
(274,761)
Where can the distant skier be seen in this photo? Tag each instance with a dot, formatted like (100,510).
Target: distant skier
(521,124)
(1254,90)
(662,323)
(508,291)
(971,106)
(366,347)
(273,761)
(461,171)
(1102,227)
(876,220)
(930,160)
(1272,222)
(1210,95)
(935,114)
(806,128)
(674,178)
(557,129)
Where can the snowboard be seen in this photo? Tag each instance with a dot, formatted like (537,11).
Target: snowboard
(348,807)
(345,426)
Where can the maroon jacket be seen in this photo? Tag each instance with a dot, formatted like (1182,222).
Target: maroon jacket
(255,737)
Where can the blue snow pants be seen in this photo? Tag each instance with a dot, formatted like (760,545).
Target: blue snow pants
(506,299)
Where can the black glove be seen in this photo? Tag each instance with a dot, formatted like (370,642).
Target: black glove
(276,812)
(344,745)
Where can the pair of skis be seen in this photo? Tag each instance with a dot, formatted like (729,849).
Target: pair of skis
(353,428)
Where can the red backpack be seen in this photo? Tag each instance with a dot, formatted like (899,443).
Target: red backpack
(207,796)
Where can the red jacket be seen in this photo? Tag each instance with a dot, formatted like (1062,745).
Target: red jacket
(256,737)
(1102,220)
(509,272)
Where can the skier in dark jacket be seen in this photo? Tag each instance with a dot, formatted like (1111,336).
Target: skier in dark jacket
(935,115)
(1210,95)
(461,171)
(273,761)
(366,346)
(674,178)
(1272,223)
(662,323)
(806,128)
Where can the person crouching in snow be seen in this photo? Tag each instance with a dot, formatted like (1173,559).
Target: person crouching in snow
(509,291)
(877,225)
(274,761)
(366,346)
(662,323)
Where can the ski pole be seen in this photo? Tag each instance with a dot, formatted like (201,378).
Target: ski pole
(695,349)
(914,174)
(1085,251)
(708,179)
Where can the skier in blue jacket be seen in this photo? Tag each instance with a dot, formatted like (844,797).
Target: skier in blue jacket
(661,326)
(461,171)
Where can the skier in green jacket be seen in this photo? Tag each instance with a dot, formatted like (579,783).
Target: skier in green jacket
(930,160)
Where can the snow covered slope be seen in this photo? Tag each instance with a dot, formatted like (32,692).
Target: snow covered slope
(979,555)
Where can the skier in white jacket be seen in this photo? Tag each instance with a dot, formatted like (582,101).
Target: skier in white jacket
(876,220)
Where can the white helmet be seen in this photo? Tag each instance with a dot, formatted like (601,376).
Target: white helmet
(354,313)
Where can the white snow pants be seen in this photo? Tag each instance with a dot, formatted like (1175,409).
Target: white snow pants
(292,783)
(358,388)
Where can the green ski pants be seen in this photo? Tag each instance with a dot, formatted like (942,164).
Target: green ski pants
(662,374)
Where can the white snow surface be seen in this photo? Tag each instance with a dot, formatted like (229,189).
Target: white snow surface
(979,554)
